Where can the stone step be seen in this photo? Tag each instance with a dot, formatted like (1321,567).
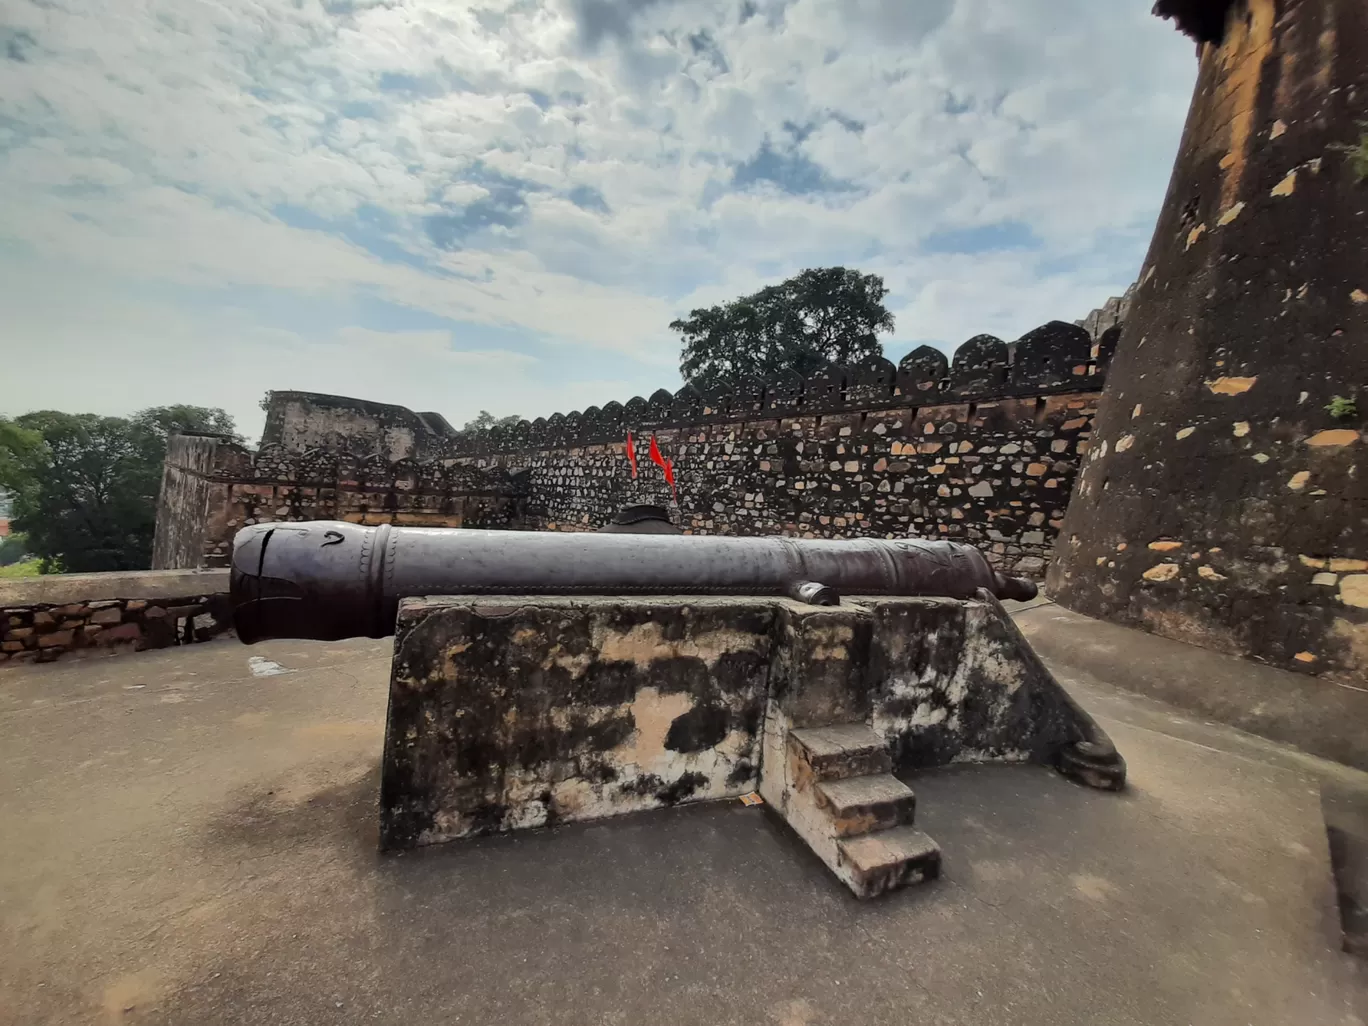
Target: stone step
(880,862)
(842,751)
(862,805)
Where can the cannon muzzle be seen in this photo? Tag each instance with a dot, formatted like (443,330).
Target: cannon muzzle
(330,580)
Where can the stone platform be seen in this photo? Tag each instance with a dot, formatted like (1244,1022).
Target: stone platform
(514,712)
(190,842)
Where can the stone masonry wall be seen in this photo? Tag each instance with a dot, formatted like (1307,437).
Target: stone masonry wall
(183,504)
(1223,503)
(46,618)
(982,449)
(212,488)
(309,420)
(995,474)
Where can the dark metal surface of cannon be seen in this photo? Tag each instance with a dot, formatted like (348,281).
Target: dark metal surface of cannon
(330,580)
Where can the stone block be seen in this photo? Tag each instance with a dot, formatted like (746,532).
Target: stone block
(20,633)
(135,605)
(568,709)
(881,862)
(123,632)
(57,639)
(72,609)
(107,617)
(954,681)
(860,805)
(43,620)
(11,646)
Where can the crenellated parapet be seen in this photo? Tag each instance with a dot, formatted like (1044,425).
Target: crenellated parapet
(1054,358)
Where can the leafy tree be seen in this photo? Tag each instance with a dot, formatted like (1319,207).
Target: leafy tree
(487,420)
(165,421)
(18,446)
(85,486)
(819,316)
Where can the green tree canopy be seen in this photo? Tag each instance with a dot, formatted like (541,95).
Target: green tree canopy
(85,486)
(165,421)
(487,420)
(819,316)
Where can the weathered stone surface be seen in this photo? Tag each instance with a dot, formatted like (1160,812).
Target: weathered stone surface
(516,712)
(513,712)
(57,639)
(860,805)
(74,589)
(1242,331)
(839,752)
(106,617)
(123,632)
(884,861)
(950,684)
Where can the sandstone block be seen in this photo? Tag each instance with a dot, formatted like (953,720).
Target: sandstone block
(57,639)
(123,632)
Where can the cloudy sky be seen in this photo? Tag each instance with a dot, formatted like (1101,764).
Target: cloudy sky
(501,204)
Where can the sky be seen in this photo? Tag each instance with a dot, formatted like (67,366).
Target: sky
(501,204)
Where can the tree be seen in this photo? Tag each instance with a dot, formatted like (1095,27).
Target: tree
(85,486)
(165,421)
(487,420)
(819,316)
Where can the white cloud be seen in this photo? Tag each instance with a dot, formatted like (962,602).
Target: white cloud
(430,154)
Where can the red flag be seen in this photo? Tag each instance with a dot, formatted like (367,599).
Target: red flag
(666,465)
(631,453)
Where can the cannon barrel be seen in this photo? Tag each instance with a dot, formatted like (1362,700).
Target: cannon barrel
(329,580)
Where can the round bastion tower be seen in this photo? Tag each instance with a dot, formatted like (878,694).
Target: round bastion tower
(1224,497)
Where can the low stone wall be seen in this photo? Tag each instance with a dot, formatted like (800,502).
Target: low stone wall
(509,712)
(46,618)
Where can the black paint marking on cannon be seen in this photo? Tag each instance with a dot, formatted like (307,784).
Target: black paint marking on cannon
(540,679)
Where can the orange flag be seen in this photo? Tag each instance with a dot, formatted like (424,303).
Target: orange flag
(666,465)
(631,453)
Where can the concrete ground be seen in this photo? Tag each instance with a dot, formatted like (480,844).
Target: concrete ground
(188,842)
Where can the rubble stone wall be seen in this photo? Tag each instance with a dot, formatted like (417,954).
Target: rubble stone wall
(212,488)
(46,618)
(995,474)
(980,448)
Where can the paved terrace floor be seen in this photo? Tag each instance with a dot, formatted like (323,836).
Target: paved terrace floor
(185,842)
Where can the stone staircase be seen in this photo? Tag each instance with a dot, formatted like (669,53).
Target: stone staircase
(844,801)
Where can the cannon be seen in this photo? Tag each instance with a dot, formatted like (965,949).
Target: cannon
(603,686)
(327,580)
